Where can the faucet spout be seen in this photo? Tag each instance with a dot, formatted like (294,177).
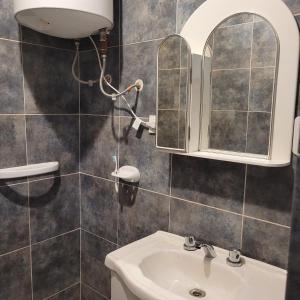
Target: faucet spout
(208,250)
(191,244)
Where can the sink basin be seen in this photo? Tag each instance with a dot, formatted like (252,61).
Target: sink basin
(157,268)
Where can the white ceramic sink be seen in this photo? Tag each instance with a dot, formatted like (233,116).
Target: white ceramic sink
(157,268)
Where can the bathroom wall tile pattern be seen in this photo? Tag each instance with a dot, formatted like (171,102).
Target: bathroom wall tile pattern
(54,207)
(99,207)
(266,242)
(56,96)
(12,141)
(93,271)
(214,183)
(11,79)
(143,20)
(89,294)
(141,213)
(9,28)
(205,223)
(99,142)
(72,293)
(14,216)
(55,264)
(54,138)
(41,64)
(15,283)
(140,152)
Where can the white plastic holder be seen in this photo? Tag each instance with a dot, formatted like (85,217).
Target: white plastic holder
(296,138)
(29,170)
(127,173)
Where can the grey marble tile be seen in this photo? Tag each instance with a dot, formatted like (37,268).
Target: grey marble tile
(221,228)
(15,283)
(258,133)
(168,89)
(99,207)
(232,47)
(72,293)
(49,85)
(99,137)
(12,141)
(169,53)
(37,38)
(143,20)
(238,19)
(264,51)
(139,61)
(228,130)
(141,213)
(55,264)
(210,182)
(261,89)
(294,5)
(230,89)
(93,271)
(11,79)
(168,129)
(140,152)
(266,242)
(14,216)
(54,207)
(269,194)
(89,294)
(9,27)
(54,138)
(92,101)
(184,10)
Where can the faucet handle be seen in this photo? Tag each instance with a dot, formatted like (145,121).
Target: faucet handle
(234,258)
(190,243)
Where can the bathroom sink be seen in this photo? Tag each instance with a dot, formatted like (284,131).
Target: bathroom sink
(158,268)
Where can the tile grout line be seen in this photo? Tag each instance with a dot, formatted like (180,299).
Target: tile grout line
(28,180)
(193,203)
(27,183)
(65,289)
(15,251)
(95,291)
(249,87)
(79,177)
(100,237)
(56,236)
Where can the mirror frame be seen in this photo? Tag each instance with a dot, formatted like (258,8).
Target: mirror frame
(206,18)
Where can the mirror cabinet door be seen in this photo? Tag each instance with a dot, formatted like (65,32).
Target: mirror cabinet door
(238,97)
(173,92)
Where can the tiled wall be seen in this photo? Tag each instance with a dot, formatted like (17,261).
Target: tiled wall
(39,122)
(233,205)
(45,117)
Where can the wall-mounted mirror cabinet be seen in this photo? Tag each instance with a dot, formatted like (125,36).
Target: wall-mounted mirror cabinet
(226,86)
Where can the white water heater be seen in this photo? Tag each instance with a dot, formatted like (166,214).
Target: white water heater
(71,19)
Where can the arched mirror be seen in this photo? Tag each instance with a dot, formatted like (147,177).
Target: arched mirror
(173,91)
(239,83)
(226,86)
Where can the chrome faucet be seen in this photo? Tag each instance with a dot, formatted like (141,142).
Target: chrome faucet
(190,244)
